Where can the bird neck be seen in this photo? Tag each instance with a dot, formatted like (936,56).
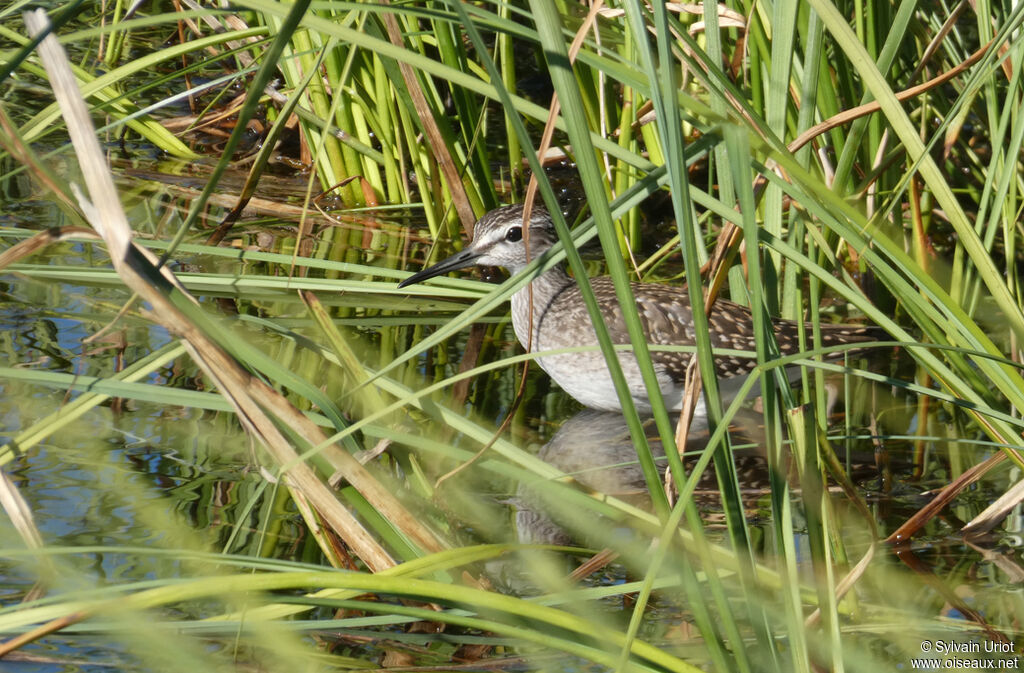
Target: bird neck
(530,303)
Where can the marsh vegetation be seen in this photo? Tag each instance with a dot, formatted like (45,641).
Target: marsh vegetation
(230,441)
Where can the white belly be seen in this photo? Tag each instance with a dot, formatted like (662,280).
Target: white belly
(585,376)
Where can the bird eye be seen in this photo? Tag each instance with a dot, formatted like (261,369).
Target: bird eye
(514,235)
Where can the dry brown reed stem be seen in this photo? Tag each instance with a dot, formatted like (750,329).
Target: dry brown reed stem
(256,403)
(434,138)
(903,534)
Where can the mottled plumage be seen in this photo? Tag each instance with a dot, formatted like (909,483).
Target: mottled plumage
(560,318)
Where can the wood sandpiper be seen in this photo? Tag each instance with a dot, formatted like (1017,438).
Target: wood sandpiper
(560,319)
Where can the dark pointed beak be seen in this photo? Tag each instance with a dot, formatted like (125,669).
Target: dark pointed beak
(459,260)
